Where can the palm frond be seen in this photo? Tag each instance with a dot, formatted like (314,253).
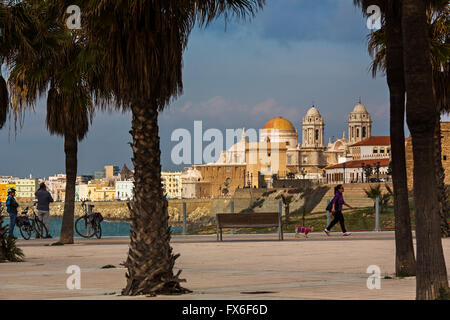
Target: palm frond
(4,102)
(143,43)
(377,51)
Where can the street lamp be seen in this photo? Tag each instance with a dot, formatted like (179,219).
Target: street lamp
(362,171)
(378,170)
(344,172)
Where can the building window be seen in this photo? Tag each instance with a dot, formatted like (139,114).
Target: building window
(364,132)
(445,158)
(375,150)
(357,132)
(228,169)
(317,135)
(382,150)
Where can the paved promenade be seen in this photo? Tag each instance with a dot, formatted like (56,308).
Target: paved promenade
(253,267)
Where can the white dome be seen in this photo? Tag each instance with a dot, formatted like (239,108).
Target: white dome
(360,108)
(313,112)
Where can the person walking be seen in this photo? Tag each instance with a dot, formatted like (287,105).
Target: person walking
(11,208)
(44,199)
(336,211)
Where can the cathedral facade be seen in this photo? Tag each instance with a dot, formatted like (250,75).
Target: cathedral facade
(278,152)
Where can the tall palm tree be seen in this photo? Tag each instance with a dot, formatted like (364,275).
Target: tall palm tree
(422,117)
(143,42)
(4,101)
(439,28)
(48,55)
(69,114)
(12,19)
(393,64)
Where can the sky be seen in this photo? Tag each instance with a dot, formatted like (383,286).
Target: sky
(238,74)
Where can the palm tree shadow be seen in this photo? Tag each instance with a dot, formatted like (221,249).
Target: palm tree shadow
(312,197)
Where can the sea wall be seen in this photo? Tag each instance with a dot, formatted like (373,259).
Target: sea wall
(203,211)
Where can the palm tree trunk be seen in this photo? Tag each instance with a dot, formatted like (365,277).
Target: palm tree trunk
(405,264)
(150,260)
(421,117)
(71,149)
(440,176)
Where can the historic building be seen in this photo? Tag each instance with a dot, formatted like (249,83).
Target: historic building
(374,152)
(278,153)
(312,150)
(171,182)
(26,188)
(445,145)
(359,124)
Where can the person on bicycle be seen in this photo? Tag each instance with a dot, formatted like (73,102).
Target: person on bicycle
(11,208)
(44,199)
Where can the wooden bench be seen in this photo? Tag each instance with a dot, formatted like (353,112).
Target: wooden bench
(249,220)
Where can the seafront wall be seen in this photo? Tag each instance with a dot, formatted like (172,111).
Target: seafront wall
(203,211)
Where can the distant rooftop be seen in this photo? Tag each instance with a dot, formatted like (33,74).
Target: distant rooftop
(374,141)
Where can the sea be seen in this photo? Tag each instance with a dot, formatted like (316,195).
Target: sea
(109,228)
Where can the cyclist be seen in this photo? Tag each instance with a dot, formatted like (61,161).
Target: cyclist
(43,206)
(11,208)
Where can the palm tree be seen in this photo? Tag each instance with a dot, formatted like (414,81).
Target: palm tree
(392,63)
(4,101)
(287,200)
(422,117)
(8,248)
(143,43)
(438,21)
(69,115)
(48,55)
(375,192)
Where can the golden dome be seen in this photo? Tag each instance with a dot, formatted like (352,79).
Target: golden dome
(279,123)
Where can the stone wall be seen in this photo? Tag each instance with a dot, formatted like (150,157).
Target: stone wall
(117,210)
(445,145)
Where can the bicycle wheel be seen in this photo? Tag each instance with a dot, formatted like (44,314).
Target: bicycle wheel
(25,231)
(98,228)
(41,229)
(84,227)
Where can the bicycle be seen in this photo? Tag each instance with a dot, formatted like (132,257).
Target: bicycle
(28,226)
(88,224)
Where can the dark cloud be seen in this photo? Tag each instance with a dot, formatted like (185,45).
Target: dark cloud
(302,20)
(291,54)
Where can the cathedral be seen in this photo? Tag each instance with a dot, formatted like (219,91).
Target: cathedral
(278,152)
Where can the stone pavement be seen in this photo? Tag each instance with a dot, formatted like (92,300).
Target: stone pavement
(254,267)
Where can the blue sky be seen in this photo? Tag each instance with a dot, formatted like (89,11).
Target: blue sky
(292,53)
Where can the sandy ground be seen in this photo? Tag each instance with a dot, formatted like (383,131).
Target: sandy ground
(241,267)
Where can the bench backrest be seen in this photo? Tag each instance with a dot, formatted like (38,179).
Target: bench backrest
(263,219)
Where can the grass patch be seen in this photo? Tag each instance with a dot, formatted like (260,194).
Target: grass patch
(109,266)
(444,294)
